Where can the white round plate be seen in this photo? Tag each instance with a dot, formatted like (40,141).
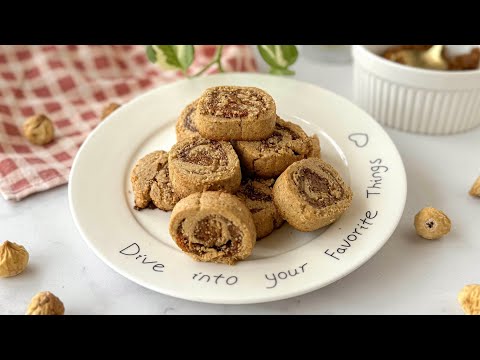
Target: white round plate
(285,264)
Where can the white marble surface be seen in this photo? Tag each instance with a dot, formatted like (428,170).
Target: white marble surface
(408,276)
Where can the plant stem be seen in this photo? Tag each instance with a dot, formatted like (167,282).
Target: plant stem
(217,59)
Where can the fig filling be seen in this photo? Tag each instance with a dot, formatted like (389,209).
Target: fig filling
(292,133)
(208,232)
(281,133)
(319,191)
(256,210)
(234,104)
(255,194)
(272,141)
(212,232)
(163,181)
(188,121)
(204,153)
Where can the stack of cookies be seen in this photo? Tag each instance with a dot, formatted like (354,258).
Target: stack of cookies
(236,173)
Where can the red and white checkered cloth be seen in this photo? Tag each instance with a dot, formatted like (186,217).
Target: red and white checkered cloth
(71,84)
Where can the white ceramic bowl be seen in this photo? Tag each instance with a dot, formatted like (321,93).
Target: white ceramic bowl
(412,99)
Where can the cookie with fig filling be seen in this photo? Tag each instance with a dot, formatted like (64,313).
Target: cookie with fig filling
(151,182)
(213,227)
(186,127)
(270,157)
(198,164)
(257,195)
(235,113)
(311,194)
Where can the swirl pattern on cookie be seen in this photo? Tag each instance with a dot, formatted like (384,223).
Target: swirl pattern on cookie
(213,227)
(311,194)
(270,157)
(235,113)
(186,126)
(197,164)
(257,195)
(151,182)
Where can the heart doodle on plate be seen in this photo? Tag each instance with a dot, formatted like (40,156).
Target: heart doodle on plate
(359,139)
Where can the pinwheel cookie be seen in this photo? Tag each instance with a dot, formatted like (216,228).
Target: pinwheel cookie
(257,195)
(311,194)
(197,164)
(213,227)
(186,126)
(151,182)
(235,113)
(270,157)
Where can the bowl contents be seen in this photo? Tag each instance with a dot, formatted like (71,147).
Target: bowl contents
(468,61)
(311,194)
(475,190)
(213,227)
(433,57)
(220,178)
(432,224)
(469,299)
(13,259)
(45,303)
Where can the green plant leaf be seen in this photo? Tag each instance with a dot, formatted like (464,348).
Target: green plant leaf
(278,71)
(279,56)
(151,55)
(171,57)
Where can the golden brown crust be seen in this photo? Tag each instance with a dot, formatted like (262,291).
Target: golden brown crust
(311,194)
(198,164)
(232,102)
(315,149)
(270,157)
(151,182)
(235,113)
(213,227)
(186,127)
(257,195)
